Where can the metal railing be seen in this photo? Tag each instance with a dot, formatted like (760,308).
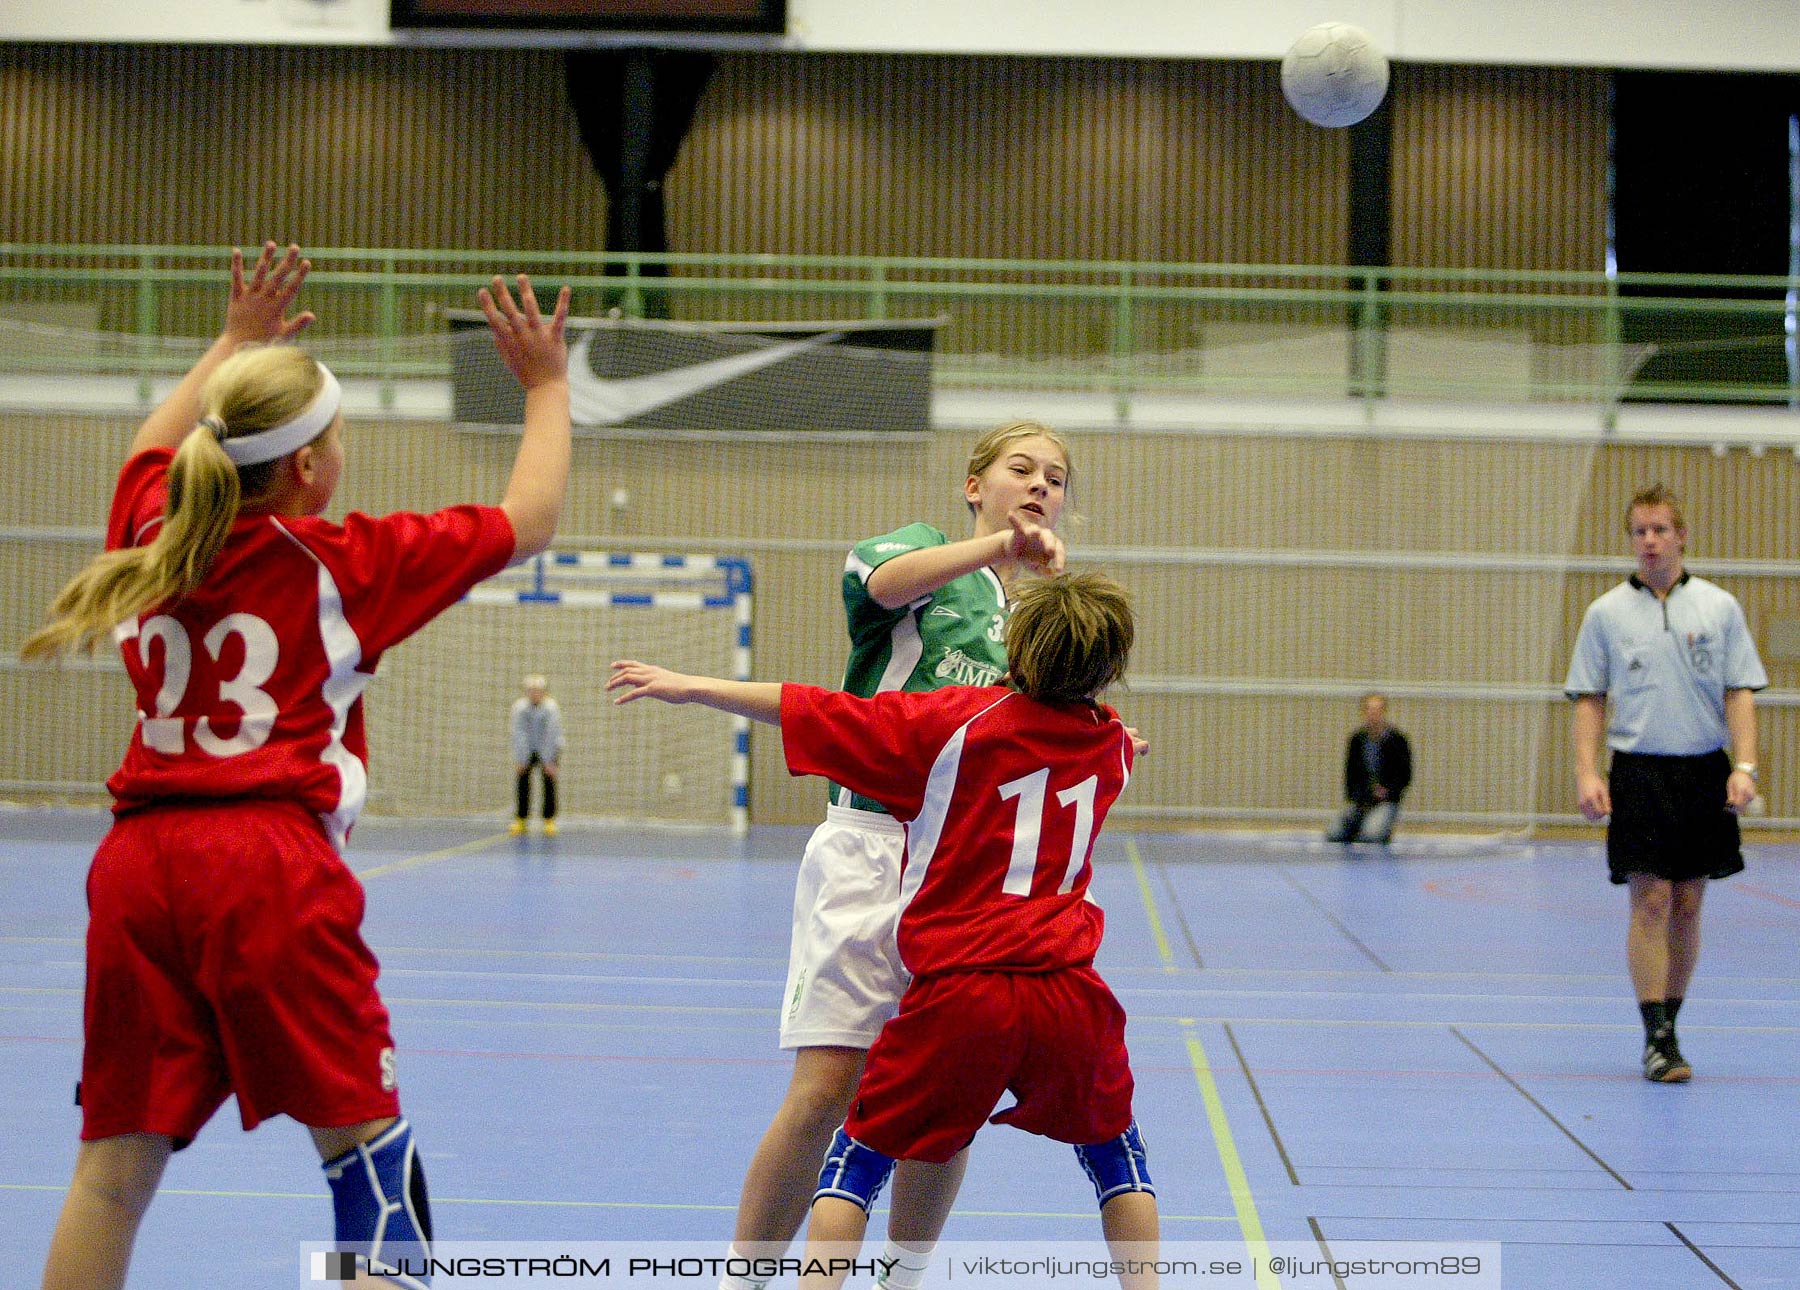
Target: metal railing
(1125,329)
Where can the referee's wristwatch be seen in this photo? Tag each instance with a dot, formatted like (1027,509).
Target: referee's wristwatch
(1747,767)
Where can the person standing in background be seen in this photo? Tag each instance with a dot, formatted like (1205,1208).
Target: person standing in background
(1674,653)
(537,740)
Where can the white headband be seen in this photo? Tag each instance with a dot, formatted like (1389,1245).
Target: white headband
(279,441)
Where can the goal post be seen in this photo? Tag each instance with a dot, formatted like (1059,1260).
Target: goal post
(439,718)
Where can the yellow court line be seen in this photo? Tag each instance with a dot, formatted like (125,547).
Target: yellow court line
(1163,949)
(1249,1222)
(430,857)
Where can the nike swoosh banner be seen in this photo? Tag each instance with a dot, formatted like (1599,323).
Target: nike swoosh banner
(651,375)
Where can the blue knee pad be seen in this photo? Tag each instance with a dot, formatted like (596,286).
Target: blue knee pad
(853,1172)
(378,1199)
(1117,1165)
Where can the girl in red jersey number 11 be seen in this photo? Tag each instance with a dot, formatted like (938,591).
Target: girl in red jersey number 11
(1002,791)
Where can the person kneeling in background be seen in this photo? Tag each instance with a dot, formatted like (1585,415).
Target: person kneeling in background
(1377,769)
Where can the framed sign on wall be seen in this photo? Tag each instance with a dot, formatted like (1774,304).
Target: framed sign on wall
(650,16)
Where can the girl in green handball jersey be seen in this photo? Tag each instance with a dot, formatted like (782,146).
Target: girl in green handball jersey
(923,612)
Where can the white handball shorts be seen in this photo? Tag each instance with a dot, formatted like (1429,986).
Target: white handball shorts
(844,975)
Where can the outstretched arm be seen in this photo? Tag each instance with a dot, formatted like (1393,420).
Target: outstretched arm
(533,350)
(906,578)
(256,311)
(758,700)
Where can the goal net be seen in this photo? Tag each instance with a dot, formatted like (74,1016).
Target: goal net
(439,718)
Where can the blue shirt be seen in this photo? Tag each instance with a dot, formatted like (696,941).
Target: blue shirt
(1666,664)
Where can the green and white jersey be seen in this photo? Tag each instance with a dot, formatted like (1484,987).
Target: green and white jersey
(954,636)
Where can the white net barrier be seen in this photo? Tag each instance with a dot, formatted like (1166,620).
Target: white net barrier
(1285,555)
(1435,573)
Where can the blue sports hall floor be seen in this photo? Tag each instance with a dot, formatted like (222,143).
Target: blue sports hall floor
(1432,1043)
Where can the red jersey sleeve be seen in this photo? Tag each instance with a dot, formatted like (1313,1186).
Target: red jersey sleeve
(397,572)
(1128,750)
(138,497)
(882,747)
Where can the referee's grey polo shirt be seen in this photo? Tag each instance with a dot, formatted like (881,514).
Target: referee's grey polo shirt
(1666,664)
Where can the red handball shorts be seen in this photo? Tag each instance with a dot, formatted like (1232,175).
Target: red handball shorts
(1056,1040)
(224,956)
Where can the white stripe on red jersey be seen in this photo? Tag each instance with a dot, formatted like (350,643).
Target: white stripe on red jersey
(251,686)
(1002,798)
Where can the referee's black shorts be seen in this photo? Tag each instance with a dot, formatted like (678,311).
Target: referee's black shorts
(1669,818)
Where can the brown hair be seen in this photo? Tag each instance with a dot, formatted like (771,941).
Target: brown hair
(1069,637)
(1656,495)
(255,389)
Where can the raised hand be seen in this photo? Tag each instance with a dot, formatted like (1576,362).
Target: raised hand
(256,311)
(258,306)
(531,346)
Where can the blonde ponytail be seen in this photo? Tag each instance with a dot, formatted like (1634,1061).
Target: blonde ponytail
(255,389)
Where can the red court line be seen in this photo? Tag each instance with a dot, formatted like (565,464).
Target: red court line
(1766,894)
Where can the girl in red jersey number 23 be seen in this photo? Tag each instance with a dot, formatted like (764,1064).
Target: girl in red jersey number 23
(224,946)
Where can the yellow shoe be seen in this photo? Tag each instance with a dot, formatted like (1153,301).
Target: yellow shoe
(549,828)
(516,828)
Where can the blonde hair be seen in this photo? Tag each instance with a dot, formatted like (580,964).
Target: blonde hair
(1069,637)
(988,448)
(256,389)
(1656,495)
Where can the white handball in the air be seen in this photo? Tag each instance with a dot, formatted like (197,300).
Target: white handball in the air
(1334,75)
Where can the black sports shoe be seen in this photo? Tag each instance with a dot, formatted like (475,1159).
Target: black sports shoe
(1664,1064)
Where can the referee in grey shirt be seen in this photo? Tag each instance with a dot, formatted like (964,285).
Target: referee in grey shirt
(1675,655)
